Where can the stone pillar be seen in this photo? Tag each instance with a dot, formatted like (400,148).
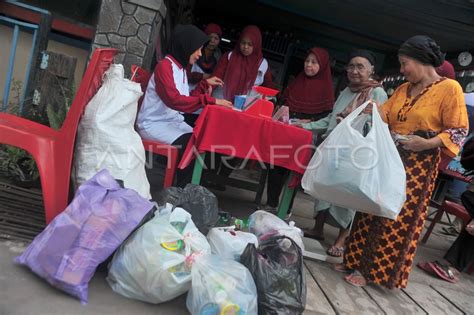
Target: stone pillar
(131,26)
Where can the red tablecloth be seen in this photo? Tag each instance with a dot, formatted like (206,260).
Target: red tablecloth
(234,133)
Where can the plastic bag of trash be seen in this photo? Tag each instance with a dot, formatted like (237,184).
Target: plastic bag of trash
(228,243)
(264,225)
(277,269)
(97,221)
(197,200)
(221,286)
(154,264)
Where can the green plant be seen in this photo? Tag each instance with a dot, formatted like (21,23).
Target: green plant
(16,163)
(14,104)
(57,116)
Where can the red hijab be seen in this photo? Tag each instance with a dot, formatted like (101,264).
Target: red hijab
(213,28)
(446,70)
(312,95)
(242,70)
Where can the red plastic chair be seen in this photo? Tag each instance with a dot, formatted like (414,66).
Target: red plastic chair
(448,207)
(53,149)
(142,76)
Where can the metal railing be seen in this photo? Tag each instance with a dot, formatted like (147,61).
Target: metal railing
(11,59)
(18,25)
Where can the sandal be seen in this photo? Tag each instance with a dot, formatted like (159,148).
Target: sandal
(445,272)
(426,266)
(356,279)
(311,234)
(341,268)
(335,251)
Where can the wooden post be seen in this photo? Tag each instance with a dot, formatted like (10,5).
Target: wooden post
(53,85)
(41,44)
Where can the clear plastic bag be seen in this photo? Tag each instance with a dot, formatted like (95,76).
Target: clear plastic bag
(228,243)
(154,264)
(265,225)
(221,286)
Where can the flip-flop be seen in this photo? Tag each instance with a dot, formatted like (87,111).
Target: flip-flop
(425,266)
(308,233)
(335,251)
(350,279)
(443,272)
(453,270)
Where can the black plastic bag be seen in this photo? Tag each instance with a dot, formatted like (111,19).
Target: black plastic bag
(277,269)
(170,195)
(195,199)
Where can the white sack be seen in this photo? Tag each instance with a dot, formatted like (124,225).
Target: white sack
(106,137)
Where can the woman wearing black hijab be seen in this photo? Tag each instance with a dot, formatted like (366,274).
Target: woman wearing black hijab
(167,95)
(429,113)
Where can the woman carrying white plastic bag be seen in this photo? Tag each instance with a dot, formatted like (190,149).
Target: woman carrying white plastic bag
(429,113)
(364,173)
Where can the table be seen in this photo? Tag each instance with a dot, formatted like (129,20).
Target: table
(237,134)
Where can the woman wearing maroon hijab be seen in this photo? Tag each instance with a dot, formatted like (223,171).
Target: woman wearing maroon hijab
(446,70)
(244,66)
(311,95)
(205,65)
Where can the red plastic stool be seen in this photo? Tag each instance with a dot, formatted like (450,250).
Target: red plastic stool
(450,207)
(53,149)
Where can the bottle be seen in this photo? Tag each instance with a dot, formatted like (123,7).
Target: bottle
(241,224)
(224,218)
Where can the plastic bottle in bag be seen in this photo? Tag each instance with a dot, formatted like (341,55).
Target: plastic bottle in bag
(241,224)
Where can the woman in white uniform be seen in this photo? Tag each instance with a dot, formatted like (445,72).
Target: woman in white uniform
(168,95)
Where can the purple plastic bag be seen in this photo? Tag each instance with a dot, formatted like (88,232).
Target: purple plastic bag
(97,221)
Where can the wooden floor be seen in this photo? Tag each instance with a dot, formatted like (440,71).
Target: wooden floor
(327,292)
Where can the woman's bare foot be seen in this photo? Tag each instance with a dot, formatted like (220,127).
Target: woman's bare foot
(356,279)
